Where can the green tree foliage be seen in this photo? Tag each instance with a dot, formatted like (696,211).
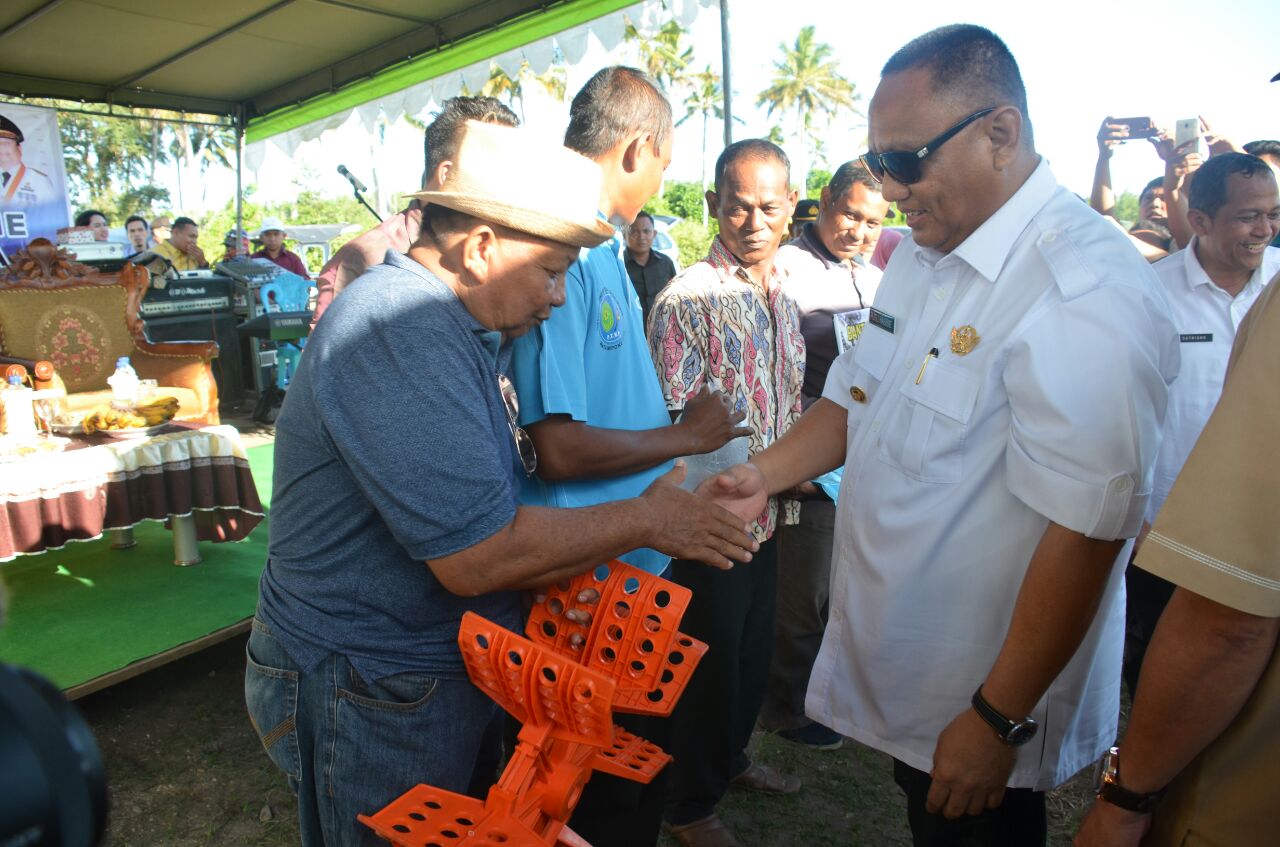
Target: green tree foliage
(110,162)
(1126,210)
(680,199)
(663,55)
(816,181)
(808,85)
(693,239)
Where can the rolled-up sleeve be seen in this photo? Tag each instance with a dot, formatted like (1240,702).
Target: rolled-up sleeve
(1088,385)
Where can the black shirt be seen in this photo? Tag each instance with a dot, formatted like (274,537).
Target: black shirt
(650,278)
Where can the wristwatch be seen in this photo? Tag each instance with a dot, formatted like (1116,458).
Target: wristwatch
(1011,732)
(1106,781)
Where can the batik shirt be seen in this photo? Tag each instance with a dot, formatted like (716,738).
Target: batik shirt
(714,325)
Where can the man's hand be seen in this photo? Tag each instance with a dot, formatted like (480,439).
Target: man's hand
(1163,142)
(710,421)
(1217,144)
(193,250)
(1109,135)
(741,489)
(690,527)
(1106,825)
(1179,167)
(971,766)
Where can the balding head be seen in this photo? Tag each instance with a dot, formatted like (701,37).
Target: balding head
(968,65)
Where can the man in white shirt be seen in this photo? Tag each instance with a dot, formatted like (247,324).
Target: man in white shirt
(997,422)
(1234,211)
(828,276)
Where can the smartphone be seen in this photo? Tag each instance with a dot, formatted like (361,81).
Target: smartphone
(1138,127)
(1186,132)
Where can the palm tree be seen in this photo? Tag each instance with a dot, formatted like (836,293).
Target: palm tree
(663,55)
(502,84)
(807,82)
(705,99)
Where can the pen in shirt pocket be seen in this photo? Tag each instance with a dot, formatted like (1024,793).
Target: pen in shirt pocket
(932,354)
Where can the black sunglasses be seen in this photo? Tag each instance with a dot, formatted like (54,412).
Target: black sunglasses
(905,167)
(524,444)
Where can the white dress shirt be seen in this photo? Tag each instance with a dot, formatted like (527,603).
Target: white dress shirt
(1206,318)
(954,471)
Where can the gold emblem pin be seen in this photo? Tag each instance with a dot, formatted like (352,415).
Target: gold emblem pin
(858,395)
(964,339)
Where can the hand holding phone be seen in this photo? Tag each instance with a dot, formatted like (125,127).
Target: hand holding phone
(1186,133)
(1138,127)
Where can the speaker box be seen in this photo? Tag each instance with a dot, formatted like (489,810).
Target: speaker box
(228,368)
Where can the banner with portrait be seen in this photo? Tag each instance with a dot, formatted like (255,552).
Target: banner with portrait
(33,179)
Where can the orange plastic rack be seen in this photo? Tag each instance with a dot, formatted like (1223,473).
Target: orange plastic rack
(583,659)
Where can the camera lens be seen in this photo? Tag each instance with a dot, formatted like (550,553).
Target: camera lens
(53,788)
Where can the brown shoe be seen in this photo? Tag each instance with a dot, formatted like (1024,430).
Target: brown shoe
(708,832)
(767,780)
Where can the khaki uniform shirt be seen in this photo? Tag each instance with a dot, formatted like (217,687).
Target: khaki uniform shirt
(1218,535)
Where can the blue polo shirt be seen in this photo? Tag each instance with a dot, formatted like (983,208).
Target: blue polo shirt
(590,361)
(392,449)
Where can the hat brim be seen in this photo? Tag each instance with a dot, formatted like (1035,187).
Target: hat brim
(530,221)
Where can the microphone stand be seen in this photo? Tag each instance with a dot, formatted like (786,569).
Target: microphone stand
(365,203)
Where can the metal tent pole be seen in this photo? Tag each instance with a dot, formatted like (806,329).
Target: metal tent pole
(239,176)
(727,85)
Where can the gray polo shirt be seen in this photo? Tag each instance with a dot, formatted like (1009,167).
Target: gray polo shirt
(392,448)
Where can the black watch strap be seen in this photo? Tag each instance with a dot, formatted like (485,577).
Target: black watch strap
(1012,732)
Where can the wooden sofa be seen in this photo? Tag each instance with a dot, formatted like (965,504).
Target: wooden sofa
(56,310)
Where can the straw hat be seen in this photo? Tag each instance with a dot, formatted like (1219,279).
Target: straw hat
(269,224)
(514,178)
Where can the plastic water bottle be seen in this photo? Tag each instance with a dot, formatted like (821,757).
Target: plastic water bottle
(706,465)
(124,385)
(19,415)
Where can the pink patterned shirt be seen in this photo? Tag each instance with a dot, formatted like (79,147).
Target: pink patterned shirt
(713,324)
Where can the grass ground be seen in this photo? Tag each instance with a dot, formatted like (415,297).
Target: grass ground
(185,769)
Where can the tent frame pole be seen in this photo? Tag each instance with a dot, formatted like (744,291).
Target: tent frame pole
(726,84)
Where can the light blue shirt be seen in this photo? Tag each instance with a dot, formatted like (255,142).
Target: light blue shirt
(590,361)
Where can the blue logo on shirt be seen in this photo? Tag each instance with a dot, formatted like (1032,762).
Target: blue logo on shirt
(610,321)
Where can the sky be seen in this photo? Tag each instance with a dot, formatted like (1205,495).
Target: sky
(1080,62)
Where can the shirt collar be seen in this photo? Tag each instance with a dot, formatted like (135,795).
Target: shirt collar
(988,247)
(720,257)
(811,241)
(489,339)
(1197,276)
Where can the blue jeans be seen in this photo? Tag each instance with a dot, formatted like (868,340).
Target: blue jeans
(350,746)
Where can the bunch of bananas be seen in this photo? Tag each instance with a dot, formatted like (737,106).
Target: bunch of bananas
(157,411)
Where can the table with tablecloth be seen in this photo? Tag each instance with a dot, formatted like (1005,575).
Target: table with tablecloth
(198,479)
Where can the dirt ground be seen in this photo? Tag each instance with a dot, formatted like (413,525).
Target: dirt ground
(185,769)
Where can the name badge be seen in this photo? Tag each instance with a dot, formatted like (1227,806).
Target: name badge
(849,326)
(1191,337)
(884,320)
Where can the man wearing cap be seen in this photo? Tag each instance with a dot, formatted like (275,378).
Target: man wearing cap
(272,236)
(20,186)
(161,229)
(181,249)
(805,214)
(398,459)
(401,230)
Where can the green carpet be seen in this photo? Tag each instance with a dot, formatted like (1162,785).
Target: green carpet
(87,610)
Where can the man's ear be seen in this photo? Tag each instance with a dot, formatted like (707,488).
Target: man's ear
(1005,133)
(435,181)
(633,153)
(713,203)
(824,199)
(1200,222)
(792,198)
(479,249)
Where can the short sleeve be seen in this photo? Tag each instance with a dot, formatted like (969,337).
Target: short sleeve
(840,379)
(1088,384)
(548,369)
(407,432)
(1217,534)
(678,345)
